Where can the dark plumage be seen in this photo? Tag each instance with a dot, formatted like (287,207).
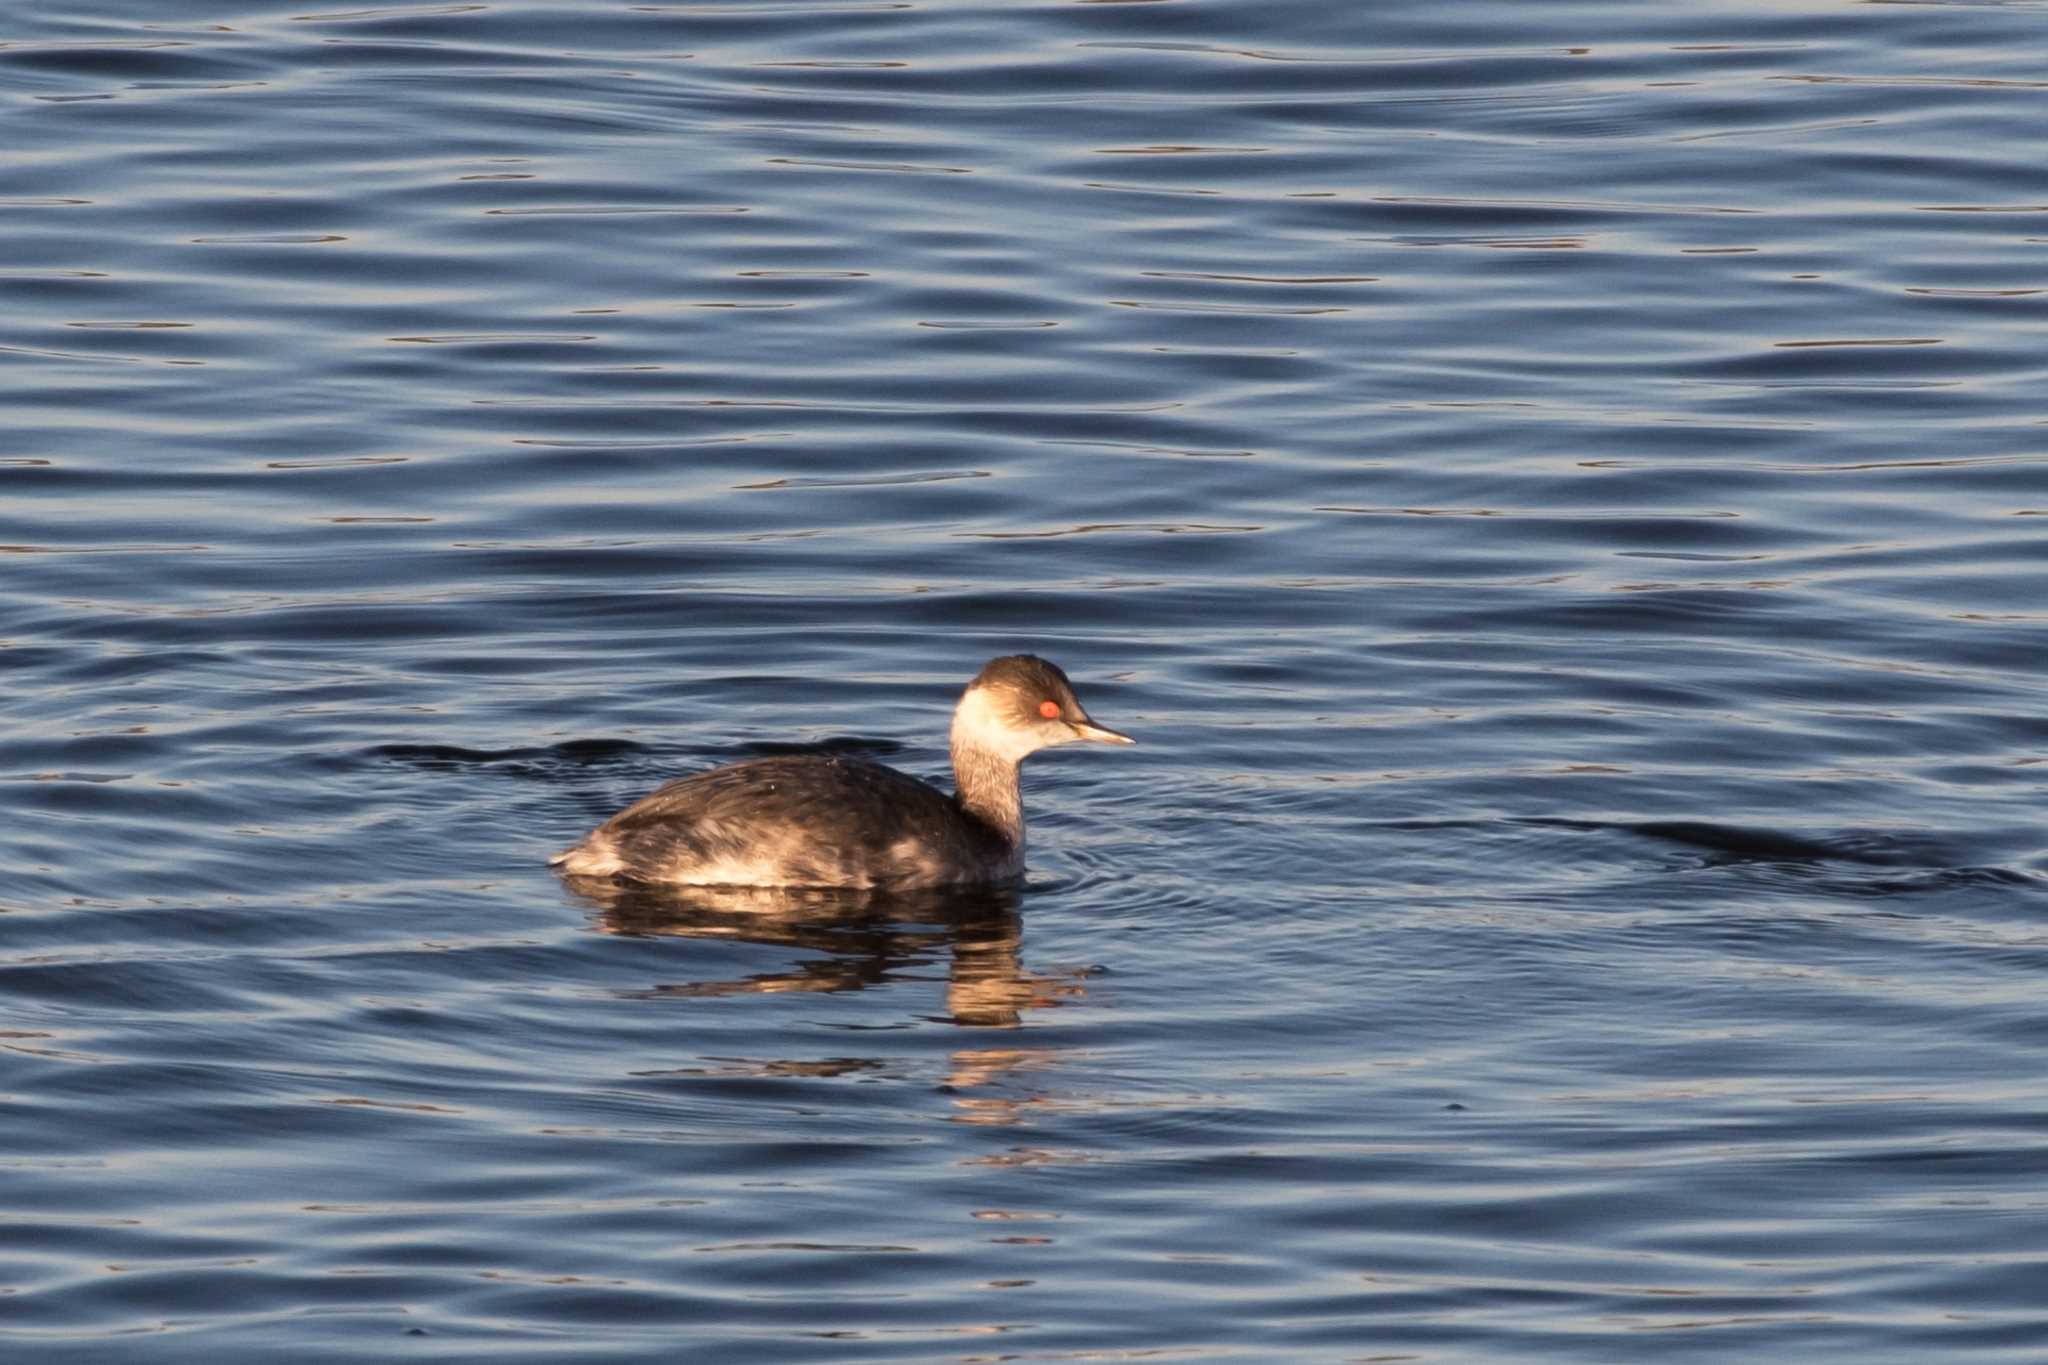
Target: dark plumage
(826,820)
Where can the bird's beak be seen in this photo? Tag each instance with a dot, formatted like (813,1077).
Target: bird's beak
(1089,730)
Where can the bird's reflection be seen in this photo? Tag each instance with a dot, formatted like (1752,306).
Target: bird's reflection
(860,941)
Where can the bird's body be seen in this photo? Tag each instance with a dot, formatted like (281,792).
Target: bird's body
(833,821)
(800,820)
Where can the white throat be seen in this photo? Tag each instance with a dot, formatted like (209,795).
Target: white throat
(980,729)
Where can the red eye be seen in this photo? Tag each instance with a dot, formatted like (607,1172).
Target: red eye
(1049,709)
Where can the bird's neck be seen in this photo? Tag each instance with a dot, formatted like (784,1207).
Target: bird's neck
(987,783)
(985,758)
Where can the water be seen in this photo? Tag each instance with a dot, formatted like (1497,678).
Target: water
(1556,491)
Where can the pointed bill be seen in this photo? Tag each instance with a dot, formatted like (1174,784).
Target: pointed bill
(1100,734)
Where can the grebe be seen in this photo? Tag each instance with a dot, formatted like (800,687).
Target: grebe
(825,820)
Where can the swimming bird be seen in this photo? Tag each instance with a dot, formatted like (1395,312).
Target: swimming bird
(817,820)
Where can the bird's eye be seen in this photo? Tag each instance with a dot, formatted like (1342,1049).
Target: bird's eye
(1049,709)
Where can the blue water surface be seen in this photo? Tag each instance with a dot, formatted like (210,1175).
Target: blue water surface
(1559,493)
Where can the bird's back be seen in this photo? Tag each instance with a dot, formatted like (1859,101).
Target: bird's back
(801,820)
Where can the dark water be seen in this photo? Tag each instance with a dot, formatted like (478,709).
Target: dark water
(1560,492)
